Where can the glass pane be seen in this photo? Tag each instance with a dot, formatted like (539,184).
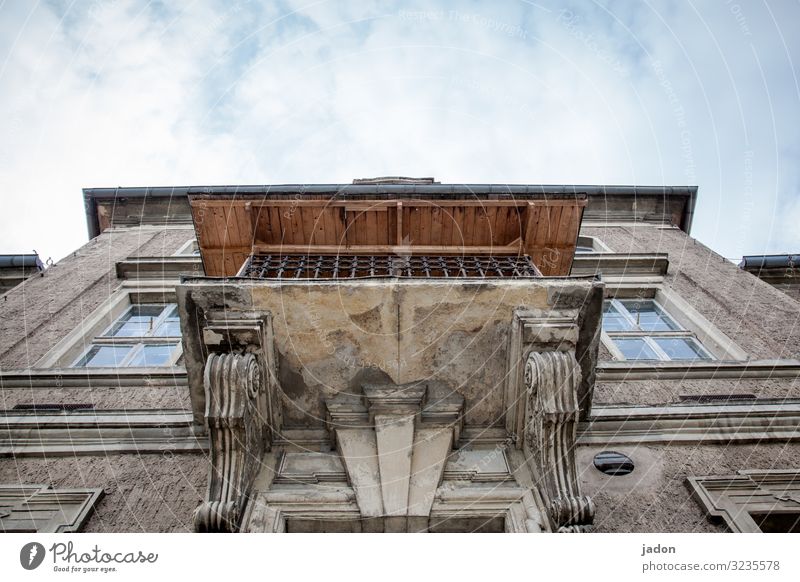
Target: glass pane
(613,320)
(681,348)
(635,349)
(581,249)
(104,356)
(171,326)
(649,316)
(137,321)
(153,356)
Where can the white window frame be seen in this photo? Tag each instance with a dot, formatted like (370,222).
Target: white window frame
(138,343)
(648,336)
(715,343)
(69,350)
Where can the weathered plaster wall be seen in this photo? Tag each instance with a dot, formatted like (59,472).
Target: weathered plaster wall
(654,497)
(130,398)
(143,493)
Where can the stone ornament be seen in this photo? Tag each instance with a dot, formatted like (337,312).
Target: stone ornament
(552,413)
(239,433)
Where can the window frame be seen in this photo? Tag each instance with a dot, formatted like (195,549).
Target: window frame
(137,342)
(649,337)
(91,329)
(718,346)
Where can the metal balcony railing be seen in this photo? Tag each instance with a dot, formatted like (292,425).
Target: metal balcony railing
(260,266)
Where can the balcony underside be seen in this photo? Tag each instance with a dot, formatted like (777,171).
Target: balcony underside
(231,228)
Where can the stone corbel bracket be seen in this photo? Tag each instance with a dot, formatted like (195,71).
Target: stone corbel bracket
(248,332)
(552,380)
(575,330)
(242,413)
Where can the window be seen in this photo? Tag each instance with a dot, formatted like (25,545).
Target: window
(640,329)
(145,335)
(613,464)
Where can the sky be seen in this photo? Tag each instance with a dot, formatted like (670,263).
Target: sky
(124,93)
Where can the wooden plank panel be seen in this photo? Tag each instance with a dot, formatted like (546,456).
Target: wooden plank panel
(295,234)
(360,224)
(285,220)
(308,222)
(262,228)
(550,227)
(446,217)
(371,226)
(246,219)
(457,235)
(551,255)
(568,228)
(530,218)
(425,225)
(232,222)
(497,217)
(317,226)
(220,223)
(205,235)
(468,225)
(328,234)
(384,226)
(339,223)
(229,265)
(511,227)
(412,219)
(278,224)
(436,225)
(349,228)
(382,249)
(483,226)
(399,223)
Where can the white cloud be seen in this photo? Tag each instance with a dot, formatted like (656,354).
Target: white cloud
(132,93)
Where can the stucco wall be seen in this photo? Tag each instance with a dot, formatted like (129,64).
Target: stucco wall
(37,314)
(654,497)
(764,322)
(670,391)
(143,493)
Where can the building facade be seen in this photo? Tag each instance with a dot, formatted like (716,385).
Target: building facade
(398,355)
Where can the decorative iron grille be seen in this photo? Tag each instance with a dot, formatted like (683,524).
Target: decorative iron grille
(382,266)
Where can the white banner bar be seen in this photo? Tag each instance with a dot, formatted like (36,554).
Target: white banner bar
(420,557)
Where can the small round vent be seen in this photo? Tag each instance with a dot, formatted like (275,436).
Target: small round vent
(613,464)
